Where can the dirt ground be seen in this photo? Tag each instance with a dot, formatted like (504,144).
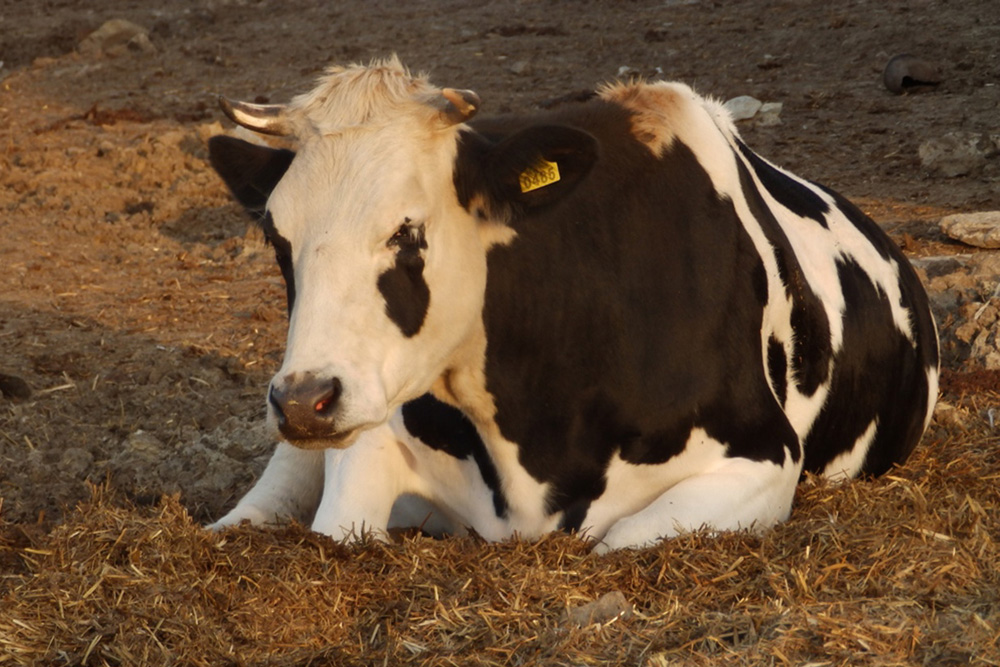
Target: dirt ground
(140,316)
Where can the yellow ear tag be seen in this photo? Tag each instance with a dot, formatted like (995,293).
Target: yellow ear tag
(539,175)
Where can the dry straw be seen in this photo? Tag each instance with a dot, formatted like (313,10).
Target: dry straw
(902,570)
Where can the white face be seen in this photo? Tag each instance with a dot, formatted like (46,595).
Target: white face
(389,277)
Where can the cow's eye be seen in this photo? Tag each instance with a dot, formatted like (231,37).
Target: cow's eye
(409,235)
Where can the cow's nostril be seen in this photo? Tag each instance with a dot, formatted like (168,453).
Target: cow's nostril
(306,407)
(327,402)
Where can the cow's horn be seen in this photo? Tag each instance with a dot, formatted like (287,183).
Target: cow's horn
(460,105)
(263,118)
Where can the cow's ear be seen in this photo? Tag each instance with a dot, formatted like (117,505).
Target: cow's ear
(250,171)
(540,165)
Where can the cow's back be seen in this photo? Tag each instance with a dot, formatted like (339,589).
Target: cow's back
(623,316)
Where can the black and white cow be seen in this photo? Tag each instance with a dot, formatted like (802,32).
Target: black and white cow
(613,318)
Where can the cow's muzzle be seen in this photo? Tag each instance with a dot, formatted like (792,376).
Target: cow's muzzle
(305,407)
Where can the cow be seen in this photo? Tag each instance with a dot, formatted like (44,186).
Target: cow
(611,318)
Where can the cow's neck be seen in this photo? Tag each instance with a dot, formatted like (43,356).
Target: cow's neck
(463,383)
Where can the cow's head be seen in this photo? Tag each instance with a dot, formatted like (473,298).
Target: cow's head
(380,220)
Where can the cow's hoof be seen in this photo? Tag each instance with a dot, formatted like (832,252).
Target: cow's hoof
(251,515)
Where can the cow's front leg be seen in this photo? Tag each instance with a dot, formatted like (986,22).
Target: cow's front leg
(740,494)
(289,488)
(362,482)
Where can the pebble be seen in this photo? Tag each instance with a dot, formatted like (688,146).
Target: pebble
(743,107)
(143,444)
(976,229)
(13,387)
(521,68)
(956,153)
(769,114)
(940,265)
(76,462)
(608,607)
(116,37)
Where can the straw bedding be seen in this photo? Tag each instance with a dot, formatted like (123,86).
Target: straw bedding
(901,570)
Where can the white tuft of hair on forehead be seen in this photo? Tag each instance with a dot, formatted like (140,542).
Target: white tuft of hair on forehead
(358,95)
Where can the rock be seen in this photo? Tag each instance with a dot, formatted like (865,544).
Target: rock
(521,68)
(986,348)
(208,130)
(76,462)
(117,37)
(956,153)
(14,388)
(934,267)
(977,229)
(144,445)
(140,43)
(948,415)
(966,305)
(608,607)
(628,72)
(943,303)
(769,114)
(743,107)
(909,74)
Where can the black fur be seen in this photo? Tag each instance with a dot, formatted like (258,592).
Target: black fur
(251,172)
(811,349)
(896,395)
(442,427)
(625,313)
(283,256)
(790,193)
(404,289)
(777,369)
(606,333)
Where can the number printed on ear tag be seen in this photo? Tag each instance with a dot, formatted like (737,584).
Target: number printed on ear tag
(539,175)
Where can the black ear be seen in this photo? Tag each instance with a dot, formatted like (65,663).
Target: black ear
(250,171)
(539,165)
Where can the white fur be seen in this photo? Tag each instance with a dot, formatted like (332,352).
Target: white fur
(375,157)
(290,488)
(739,494)
(848,464)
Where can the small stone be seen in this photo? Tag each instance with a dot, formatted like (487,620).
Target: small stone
(628,72)
(141,44)
(937,266)
(76,462)
(143,444)
(976,229)
(608,607)
(948,415)
(769,114)
(116,37)
(991,361)
(943,303)
(956,153)
(14,388)
(743,107)
(521,68)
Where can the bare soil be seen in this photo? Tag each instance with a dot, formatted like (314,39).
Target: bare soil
(140,316)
